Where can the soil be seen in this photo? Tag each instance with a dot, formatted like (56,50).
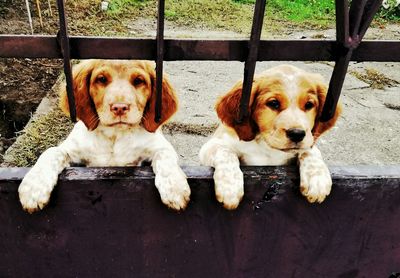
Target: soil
(23,82)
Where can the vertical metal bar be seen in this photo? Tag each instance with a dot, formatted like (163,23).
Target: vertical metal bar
(371,9)
(250,63)
(64,44)
(336,84)
(356,13)
(342,62)
(160,59)
(356,22)
(342,21)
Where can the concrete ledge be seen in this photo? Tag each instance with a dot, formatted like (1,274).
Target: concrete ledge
(109,222)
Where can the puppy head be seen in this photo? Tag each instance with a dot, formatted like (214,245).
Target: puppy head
(119,94)
(284,108)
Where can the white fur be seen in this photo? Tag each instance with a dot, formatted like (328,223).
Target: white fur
(107,146)
(315,178)
(224,151)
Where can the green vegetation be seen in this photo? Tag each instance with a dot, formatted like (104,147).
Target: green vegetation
(391,15)
(234,15)
(237,15)
(120,6)
(210,13)
(305,10)
(245,1)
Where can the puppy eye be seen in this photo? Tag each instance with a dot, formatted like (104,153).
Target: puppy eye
(101,79)
(138,81)
(274,104)
(309,105)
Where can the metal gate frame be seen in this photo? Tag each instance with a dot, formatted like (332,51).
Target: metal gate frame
(352,21)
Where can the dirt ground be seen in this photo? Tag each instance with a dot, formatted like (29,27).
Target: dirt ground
(23,82)
(367,133)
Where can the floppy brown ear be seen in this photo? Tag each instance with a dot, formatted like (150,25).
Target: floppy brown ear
(228,107)
(321,127)
(169,102)
(85,108)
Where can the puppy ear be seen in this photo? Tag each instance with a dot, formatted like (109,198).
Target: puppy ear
(228,107)
(85,107)
(169,101)
(321,127)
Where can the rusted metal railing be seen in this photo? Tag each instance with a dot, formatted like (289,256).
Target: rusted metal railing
(352,21)
(350,29)
(160,59)
(63,40)
(250,64)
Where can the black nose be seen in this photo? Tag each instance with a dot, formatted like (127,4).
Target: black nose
(295,134)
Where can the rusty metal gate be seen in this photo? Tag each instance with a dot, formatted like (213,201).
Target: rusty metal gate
(351,25)
(122,230)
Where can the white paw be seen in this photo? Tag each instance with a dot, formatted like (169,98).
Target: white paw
(229,188)
(315,183)
(34,192)
(174,189)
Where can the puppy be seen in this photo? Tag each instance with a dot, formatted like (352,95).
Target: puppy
(283,126)
(115,103)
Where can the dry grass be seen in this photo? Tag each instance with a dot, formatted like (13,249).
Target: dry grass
(375,79)
(40,134)
(192,129)
(50,129)
(392,106)
(86,18)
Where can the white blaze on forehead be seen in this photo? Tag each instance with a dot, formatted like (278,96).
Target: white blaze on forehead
(291,86)
(289,75)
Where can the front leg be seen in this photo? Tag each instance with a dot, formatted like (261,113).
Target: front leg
(37,185)
(228,178)
(170,180)
(315,178)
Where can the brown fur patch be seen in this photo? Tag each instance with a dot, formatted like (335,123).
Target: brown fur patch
(228,107)
(304,155)
(85,109)
(265,116)
(169,101)
(303,189)
(321,127)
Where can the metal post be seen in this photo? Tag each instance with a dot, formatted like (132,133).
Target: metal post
(350,29)
(250,63)
(160,59)
(63,41)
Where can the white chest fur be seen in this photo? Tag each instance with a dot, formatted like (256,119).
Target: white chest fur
(256,152)
(259,153)
(111,146)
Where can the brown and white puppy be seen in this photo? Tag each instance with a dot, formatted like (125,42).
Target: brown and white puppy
(115,105)
(283,126)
